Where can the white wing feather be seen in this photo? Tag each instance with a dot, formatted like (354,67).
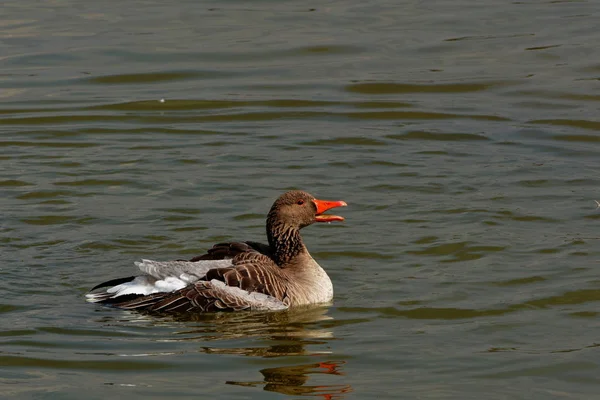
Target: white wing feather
(165,269)
(162,277)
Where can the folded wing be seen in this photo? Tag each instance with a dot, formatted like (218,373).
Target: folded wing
(248,281)
(207,296)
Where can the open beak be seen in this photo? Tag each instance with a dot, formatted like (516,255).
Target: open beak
(324,205)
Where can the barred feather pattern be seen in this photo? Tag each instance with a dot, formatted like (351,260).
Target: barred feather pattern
(254,282)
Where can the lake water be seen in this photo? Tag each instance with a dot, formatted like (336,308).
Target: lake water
(465,137)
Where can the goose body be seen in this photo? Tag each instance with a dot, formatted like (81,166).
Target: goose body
(235,276)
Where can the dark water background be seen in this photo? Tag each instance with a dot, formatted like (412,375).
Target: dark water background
(464,135)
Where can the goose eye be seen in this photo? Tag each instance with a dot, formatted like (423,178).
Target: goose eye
(300,202)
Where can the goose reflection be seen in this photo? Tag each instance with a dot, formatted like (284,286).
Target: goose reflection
(289,333)
(283,336)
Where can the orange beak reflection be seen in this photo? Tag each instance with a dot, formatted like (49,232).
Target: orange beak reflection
(324,205)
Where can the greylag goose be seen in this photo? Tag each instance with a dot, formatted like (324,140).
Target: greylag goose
(238,275)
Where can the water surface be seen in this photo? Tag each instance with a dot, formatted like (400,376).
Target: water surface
(464,136)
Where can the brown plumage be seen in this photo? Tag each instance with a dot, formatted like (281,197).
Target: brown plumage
(238,275)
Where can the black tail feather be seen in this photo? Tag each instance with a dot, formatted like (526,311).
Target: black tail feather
(113,282)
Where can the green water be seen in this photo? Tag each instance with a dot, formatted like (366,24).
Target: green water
(465,137)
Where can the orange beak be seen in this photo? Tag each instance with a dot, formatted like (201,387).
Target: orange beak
(324,205)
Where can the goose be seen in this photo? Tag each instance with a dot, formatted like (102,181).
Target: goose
(235,276)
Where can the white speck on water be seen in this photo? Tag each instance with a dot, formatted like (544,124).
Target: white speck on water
(162,100)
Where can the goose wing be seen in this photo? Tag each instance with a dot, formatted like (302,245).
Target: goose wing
(215,295)
(157,277)
(252,282)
